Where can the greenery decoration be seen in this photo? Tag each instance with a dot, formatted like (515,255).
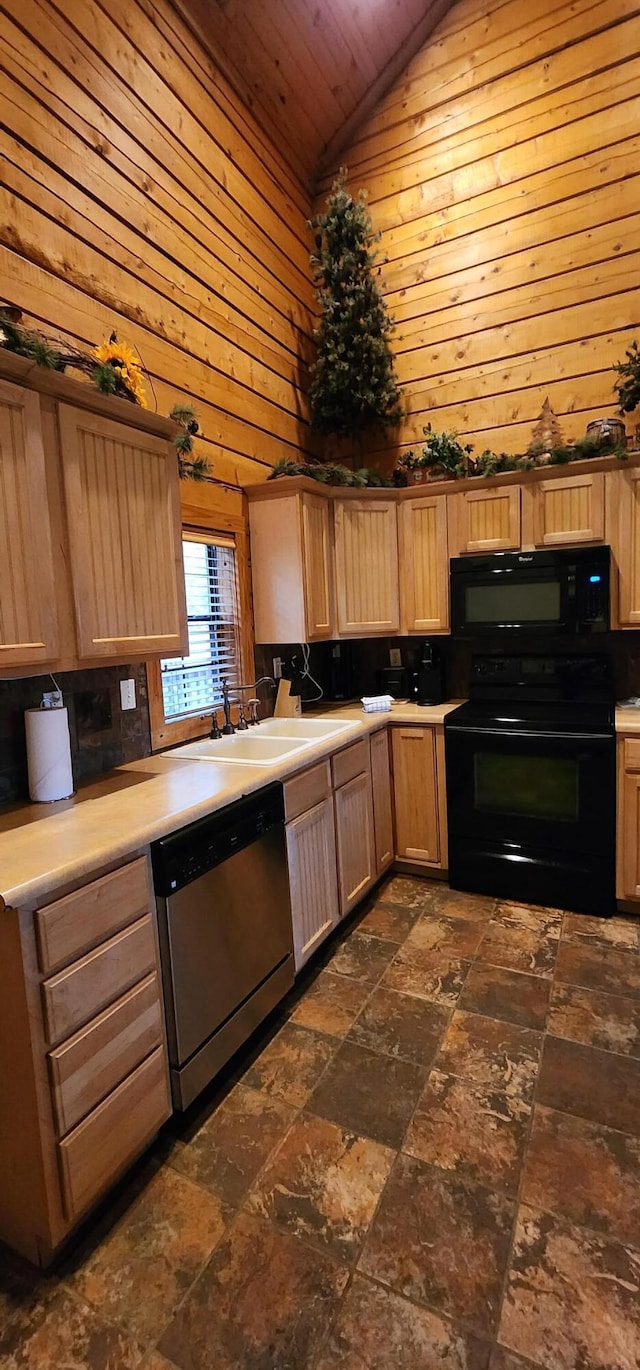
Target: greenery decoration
(118,371)
(189,467)
(628,385)
(330,473)
(28,342)
(442,453)
(353,387)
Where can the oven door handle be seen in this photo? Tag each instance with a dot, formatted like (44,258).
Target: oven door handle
(525,733)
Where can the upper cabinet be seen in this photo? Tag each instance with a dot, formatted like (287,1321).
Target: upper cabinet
(424,565)
(569,510)
(333,563)
(490,519)
(623,499)
(292,558)
(125,538)
(90,537)
(28,623)
(366,559)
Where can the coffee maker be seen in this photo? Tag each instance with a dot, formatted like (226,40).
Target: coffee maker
(427,684)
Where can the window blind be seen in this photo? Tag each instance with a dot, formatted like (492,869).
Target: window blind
(193,684)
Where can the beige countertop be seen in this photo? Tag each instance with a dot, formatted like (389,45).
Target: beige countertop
(45,846)
(627,720)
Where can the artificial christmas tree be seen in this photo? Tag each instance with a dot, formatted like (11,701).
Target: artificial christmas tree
(353,388)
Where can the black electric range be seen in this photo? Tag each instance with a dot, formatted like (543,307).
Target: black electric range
(531,781)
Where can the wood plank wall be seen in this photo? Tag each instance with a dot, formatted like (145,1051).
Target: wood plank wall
(138,193)
(502,171)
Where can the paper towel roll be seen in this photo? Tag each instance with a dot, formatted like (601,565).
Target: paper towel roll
(48,754)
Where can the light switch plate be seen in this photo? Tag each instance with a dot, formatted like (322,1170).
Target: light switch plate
(128,694)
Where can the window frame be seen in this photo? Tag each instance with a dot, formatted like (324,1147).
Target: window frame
(170,733)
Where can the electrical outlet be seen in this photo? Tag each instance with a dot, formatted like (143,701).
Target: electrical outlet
(128,694)
(395,657)
(277,668)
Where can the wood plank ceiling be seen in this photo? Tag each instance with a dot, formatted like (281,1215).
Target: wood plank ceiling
(311,70)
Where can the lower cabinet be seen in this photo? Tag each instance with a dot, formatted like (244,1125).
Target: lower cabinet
(418,796)
(382,800)
(354,839)
(85,1081)
(311,853)
(628,862)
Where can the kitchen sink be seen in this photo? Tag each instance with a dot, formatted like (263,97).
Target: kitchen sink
(247,749)
(314,729)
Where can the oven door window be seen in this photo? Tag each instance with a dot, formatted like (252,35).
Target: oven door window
(505,602)
(537,787)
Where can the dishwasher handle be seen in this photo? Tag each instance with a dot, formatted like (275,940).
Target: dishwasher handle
(191,852)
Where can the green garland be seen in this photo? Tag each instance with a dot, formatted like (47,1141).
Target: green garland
(189,467)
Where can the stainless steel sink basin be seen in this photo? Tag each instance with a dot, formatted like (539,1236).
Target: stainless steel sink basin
(246,749)
(313,729)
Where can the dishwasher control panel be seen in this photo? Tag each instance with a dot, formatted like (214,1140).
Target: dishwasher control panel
(190,852)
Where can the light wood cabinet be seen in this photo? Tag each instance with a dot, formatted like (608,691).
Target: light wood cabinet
(90,530)
(424,565)
(569,510)
(490,519)
(125,538)
(628,819)
(311,854)
(85,1082)
(627,546)
(354,840)
(417,795)
(292,557)
(366,560)
(28,620)
(382,800)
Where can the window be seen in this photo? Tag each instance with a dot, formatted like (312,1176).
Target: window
(193,684)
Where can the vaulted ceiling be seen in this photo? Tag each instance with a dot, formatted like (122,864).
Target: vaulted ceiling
(310,70)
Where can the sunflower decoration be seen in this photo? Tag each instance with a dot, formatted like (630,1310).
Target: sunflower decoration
(118,371)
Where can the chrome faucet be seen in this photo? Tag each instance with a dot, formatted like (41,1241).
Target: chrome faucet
(228,726)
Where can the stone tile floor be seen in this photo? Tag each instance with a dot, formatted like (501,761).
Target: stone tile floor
(430,1161)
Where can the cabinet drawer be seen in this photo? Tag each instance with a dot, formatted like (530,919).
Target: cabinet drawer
(101,1146)
(632,754)
(350,762)
(69,927)
(76,994)
(306,790)
(90,1064)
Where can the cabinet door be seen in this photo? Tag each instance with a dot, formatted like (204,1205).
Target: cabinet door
(415,788)
(424,565)
(354,840)
(366,554)
(382,807)
(569,510)
(311,853)
(123,511)
(316,553)
(628,546)
(28,625)
(628,876)
(491,519)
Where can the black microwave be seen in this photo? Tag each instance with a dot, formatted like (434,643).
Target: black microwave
(562,591)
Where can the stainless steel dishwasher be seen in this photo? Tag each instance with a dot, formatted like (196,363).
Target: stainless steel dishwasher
(224,915)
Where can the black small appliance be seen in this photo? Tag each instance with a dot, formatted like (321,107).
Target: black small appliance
(531,781)
(392,680)
(561,592)
(427,685)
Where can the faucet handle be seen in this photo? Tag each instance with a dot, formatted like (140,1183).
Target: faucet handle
(215,730)
(242,724)
(253,705)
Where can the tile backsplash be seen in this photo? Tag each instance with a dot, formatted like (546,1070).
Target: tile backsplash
(102,734)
